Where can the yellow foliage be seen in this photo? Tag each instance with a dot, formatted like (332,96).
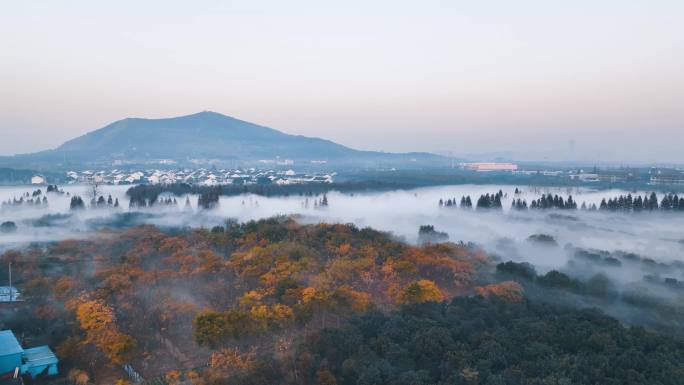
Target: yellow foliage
(276,315)
(420,291)
(250,299)
(281,270)
(346,269)
(281,314)
(194,377)
(118,347)
(94,315)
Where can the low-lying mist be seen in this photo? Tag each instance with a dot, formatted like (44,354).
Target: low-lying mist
(653,240)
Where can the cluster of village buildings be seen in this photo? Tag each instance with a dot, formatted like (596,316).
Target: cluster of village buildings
(654,176)
(213,177)
(202,177)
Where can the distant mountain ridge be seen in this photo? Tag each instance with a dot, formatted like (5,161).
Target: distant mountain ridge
(204,136)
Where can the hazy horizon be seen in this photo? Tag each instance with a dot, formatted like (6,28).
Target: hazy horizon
(534,80)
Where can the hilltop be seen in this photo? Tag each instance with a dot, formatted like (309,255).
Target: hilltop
(205,137)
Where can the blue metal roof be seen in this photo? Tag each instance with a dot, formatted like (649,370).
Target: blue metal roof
(9,344)
(41,355)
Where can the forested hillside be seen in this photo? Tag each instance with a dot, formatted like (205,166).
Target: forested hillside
(129,297)
(278,302)
(490,341)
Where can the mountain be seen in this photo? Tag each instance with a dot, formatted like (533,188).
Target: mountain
(197,138)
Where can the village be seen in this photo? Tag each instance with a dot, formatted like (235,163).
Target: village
(650,176)
(653,176)
(200,177)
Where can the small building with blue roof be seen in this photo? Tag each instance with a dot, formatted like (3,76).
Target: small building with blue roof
(10,352)
(34,361)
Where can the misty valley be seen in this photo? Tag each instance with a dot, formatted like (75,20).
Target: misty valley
(347,285)
(341,193)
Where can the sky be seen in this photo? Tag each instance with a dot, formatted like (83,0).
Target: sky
(597,80)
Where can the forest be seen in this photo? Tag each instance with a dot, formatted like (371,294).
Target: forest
(491,339)
(623,203)
(147,195)
(128,297)
(278,302)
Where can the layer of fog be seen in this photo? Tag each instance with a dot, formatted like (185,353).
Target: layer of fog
(653,235)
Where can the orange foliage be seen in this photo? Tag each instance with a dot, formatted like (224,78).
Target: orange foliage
(98,321)
(344,249)
(65,286)
(509,291)
(232,359)
(173,245)
(209,262)
(94,315)
(173,377)
(78,377)
(358,301)
(308,294)
(264,276)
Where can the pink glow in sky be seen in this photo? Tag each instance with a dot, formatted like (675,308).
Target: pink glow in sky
(540,79)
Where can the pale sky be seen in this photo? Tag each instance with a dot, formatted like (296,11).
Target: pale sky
(598,80)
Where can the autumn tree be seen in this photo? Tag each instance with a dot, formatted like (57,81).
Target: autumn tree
(420,291)
(509,291)
(97,319)
(232,359)
(78,377)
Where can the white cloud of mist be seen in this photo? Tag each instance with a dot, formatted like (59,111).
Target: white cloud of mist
(655,239)
(655,235)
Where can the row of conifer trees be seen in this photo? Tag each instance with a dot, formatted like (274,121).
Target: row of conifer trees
(625,203)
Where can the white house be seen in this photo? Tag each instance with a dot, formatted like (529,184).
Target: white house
(489,166)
